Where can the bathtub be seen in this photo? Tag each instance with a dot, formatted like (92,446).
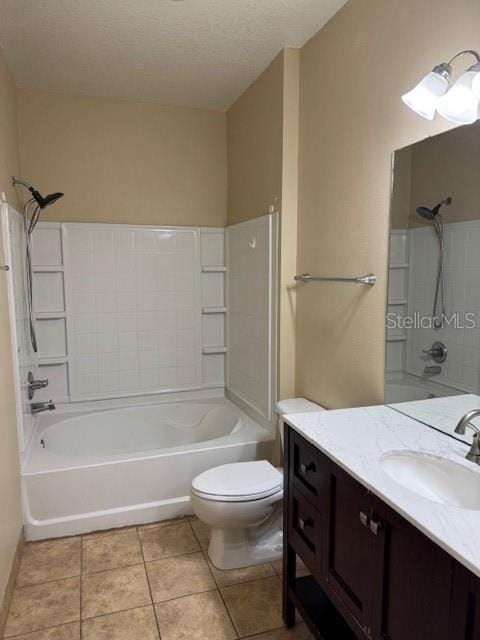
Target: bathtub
(411,388)
(89,470)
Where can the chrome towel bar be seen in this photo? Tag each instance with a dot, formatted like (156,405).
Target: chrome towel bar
(369,279)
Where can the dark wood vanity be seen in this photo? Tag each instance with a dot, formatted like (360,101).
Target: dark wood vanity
(373,574)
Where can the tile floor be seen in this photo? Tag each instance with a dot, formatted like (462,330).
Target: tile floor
(143,583)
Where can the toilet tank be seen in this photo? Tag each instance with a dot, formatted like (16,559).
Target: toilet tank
(294,405)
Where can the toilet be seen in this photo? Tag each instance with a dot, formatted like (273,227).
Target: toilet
(242,504)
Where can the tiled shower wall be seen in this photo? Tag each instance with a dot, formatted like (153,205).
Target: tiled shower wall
(140,314)
(462,241)
(412,288)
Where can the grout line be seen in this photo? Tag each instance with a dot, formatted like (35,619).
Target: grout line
(55,626)
(222,598)
(37,584)
(187,595)
(148,582)
(81,588)
(112,613)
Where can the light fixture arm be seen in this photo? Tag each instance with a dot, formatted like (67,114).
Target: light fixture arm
(466,51)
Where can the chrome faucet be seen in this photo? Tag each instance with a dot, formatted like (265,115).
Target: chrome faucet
(40,407)
(474,454)
(433,370)
(34,385)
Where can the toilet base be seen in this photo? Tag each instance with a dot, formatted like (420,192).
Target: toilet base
(237,548)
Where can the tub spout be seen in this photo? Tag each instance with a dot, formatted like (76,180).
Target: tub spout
(40,407)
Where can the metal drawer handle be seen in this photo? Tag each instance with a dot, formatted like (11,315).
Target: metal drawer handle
(304,523)
(305,468)
(375,527)
(364,518)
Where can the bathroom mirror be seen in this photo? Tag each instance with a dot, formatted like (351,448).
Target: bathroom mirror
(433,310)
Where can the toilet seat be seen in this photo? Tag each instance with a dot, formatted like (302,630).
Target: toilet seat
(238,482)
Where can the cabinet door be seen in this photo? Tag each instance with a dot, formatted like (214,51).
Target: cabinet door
(417,582)
(465,613)
(354,552)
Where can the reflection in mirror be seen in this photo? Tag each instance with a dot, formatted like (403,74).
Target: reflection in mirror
(433,314)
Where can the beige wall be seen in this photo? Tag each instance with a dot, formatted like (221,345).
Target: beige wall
(255,139)
(353,73)
(10,507)
(124,162)
(262,135)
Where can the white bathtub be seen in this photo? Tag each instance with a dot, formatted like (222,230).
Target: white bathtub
(96,470)
(411,388)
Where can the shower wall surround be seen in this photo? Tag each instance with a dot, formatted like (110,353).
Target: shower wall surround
(413,270)
(133,316)
(133,310)
(24,358)
(251,322)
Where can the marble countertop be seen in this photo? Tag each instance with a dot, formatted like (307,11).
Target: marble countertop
(356,439)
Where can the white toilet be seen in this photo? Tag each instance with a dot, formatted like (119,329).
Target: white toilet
(242,504)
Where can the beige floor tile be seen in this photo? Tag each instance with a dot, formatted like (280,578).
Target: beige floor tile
(198,617)
(125,625)
(65,632)
(298,632)
(44,605)
(202,532)
(255,606)
(51,560)
(179,576)
(224,578)
(111,552)
(115,590)
(162,542)
(162,523)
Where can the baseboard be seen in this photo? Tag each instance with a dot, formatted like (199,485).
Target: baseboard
(12,579)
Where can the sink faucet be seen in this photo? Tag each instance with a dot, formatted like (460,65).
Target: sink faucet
(39,407)
(474,454)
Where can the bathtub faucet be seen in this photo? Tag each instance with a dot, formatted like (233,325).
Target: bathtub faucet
(434,370)
(39,407)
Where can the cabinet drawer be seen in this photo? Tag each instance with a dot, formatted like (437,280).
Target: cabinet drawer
(304,467)
(305,530)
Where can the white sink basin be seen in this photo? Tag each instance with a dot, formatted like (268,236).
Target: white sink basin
(435,478)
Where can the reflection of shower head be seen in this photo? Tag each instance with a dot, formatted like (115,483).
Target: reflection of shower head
(431,214)
(43,202)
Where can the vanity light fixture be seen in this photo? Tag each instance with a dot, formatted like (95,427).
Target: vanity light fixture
(458,103)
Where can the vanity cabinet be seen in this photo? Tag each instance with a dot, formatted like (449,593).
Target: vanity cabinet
(373,574)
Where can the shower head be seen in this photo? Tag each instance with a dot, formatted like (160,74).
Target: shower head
(431,214)
(43,202)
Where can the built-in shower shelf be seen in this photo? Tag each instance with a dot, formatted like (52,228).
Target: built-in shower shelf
(48,269)
(50,315)
(44,361)
(219,269)
(211,351)
(212,310)
(399,265)
(395,302)
(396,338)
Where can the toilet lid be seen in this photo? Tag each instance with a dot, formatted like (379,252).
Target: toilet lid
(239,481)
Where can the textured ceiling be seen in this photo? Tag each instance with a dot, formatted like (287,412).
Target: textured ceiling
(200,53)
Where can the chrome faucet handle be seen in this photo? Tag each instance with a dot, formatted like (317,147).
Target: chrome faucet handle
(33,385)
(438,352)
(474,454)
